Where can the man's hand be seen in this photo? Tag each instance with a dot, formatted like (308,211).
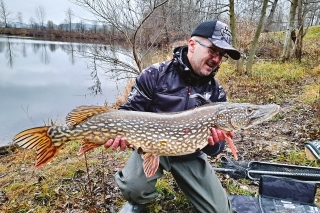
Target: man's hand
(218,136)
(117,142)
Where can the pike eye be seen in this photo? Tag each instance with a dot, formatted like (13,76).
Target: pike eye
(249,110)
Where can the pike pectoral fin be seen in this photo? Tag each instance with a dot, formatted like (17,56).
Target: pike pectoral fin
(86,146)
(231,145)
(150,164)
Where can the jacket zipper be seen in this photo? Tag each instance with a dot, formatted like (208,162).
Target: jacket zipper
(187,99)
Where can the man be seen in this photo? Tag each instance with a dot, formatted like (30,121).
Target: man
(185,82)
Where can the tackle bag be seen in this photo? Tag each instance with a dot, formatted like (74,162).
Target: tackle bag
(278,195)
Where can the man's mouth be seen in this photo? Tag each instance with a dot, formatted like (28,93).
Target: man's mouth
(211,64)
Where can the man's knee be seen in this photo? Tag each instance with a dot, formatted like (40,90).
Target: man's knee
(135,189)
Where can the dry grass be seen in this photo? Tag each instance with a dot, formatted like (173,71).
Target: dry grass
(64,181)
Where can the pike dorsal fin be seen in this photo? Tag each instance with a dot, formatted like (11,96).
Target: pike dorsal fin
(82,113)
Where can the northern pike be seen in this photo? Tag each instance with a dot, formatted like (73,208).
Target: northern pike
(152,134)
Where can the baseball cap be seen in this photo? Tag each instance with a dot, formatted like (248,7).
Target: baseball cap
(219,34)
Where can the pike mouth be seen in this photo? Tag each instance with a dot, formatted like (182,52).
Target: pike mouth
(263,114)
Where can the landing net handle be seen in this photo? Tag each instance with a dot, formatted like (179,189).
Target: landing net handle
(256,169)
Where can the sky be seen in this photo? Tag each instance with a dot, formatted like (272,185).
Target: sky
(55,10)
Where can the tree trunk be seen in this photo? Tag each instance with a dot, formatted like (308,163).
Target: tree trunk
(298,44)
(256,38)
(233,26)
(287,43)
(166,31)
(268,25)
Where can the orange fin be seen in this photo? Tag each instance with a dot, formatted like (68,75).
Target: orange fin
(86,146)
(82,113)
(37,138)
(150,164)
(231,145)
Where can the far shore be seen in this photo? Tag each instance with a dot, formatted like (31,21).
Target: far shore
(73,36)
(59,35)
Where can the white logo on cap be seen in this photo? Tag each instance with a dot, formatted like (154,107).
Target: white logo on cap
(226,34)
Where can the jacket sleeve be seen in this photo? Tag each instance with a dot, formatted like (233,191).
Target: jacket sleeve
(141,94)
(214,150)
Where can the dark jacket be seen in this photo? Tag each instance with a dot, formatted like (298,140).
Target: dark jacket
(172,86)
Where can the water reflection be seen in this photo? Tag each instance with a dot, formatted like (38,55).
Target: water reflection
(43,80)
(8,52)
(12,46)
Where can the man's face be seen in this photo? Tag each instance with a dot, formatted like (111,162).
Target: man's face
(204,57)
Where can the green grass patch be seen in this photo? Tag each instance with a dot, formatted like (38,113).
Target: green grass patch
(271,72)
(238,187)
(170,196)
(296,157)
(313,33)
(278,72)
(310,94)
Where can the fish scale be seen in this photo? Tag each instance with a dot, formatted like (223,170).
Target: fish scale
(166,134)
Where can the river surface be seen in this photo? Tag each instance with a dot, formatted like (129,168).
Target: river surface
(40,82)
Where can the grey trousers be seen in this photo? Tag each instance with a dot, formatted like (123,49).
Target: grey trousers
(195,177)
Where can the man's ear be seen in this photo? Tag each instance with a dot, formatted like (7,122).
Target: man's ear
(191,45)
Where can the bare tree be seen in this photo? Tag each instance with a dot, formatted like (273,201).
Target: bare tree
(256,38)
(4,14)
(288,43)
(61,27)
(298,43)
(65,25)
(233,26)
(19,17)
(50,25)
(82,26)
(32,23)
(69,18)
(41,14)
(94,26)
(127,18)
(310,13)
(269,22)
(78,27)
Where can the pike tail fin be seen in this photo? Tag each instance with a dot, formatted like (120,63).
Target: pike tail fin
(37,138)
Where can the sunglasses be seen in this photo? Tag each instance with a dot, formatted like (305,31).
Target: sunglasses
(214,52)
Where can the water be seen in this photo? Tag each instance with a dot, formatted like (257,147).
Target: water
(40,81)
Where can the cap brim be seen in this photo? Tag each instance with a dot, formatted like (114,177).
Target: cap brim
(230,50)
